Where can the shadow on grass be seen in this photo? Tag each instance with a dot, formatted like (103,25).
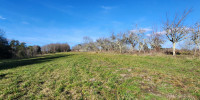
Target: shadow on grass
(22,62)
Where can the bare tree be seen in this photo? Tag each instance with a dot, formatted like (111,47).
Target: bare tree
(142,40)
(133,38)
(143,46)
(103,44)
(176,31)
(53,48)
(100,43)
(120,39)
(156,39)
(187,45)
(77,47)
(87,39)
(196,36)
(89,45)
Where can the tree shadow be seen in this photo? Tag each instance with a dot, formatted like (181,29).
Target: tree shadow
(22,62)
(2,76)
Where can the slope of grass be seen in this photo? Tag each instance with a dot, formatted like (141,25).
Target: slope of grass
(100,76)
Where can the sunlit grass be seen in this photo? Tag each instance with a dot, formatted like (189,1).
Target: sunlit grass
(100,76)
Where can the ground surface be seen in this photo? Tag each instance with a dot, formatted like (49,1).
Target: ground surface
(100,76)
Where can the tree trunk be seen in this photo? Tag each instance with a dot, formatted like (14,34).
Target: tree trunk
(195,49)
(120,49)
(100,49)
(199,47)
(133,46)
(174,48)
(139,50)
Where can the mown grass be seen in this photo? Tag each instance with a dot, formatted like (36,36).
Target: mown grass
(100,76)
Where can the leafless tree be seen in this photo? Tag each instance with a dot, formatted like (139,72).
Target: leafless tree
(175,29)
(120,39)
(156,39)
(87,39)
(186,45)
(77,47)
(133,38)
(55,47)
(2,32)
(143,45)
(88,44)
(103,44)
(142,40)
(196,36)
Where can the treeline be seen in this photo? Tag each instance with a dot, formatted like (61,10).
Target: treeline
(56,47)
(16,49)
(20,50)
(139,40)
(127,42)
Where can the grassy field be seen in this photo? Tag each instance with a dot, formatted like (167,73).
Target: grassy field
(100,76)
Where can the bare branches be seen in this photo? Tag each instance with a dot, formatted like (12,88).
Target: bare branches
(55,47)
(175,29)
(2,32)
(195,36)
(156,40)
(120,39)
(133,38)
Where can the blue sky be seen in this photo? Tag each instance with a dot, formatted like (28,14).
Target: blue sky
(39,22)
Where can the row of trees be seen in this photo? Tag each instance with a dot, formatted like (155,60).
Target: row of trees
(174,30)
(56,47)
(20,50)
(16,49)
(131,41)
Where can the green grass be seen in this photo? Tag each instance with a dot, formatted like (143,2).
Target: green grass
(100,76)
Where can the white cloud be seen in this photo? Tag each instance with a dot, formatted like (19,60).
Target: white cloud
(148,34)
(135,31)
(141,30)
(147,29)
(162,32)
(3,18)
(159,33)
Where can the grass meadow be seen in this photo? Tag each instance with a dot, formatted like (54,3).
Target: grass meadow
(91,76)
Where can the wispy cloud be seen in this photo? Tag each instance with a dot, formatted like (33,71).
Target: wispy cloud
(162,32)
(148,34)
(26,23)
(107,7)
(147,29)
(139,21)
(68,9)
(159,33)
(141,30)
(3,18)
